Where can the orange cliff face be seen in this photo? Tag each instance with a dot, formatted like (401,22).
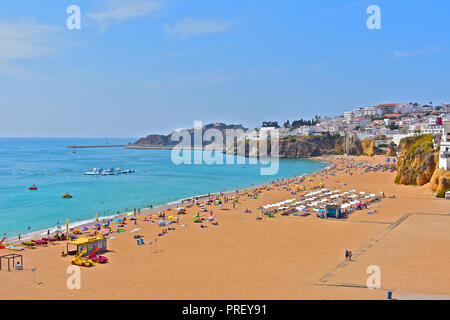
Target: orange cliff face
(440,180)
(417,161)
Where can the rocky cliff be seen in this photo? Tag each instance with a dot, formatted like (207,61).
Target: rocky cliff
(417,160)
(298,147)
(158,140)
(367,145)
(440,180)
(391,151)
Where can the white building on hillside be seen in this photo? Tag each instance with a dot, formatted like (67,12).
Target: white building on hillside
(348,115)
(388,108)
(444,154)
(304,131)
(371,112)
(407,107)
(433,129)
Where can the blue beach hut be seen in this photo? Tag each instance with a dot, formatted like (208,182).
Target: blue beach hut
(334,211)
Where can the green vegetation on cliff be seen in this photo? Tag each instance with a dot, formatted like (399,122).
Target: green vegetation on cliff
(425,142)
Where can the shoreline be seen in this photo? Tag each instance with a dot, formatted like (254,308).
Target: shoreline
(169,205)
(252,253)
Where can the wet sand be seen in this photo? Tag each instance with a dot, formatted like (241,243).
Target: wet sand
(285,257)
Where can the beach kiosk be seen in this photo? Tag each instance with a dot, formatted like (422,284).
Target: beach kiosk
(334,211)
(88,244)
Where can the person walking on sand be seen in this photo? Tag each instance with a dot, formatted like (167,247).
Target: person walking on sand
(350,255)
(346,255)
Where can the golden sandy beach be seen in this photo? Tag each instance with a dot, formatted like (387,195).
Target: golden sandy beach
(285,257)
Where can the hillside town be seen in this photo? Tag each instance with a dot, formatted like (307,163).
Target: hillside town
(384,123)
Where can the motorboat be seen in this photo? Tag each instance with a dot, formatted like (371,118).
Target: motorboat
(94,172)
(33,188)
(108,172)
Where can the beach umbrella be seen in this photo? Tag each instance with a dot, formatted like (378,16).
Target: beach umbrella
(130,214)
(106,224)
(118,220)
(85,228)
(97,225)
(135,230)
(67,228)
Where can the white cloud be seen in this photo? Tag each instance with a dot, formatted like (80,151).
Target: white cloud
(25,40)
(192,27)
(116,11)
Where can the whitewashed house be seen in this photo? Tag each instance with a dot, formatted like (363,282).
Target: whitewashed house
(444,153)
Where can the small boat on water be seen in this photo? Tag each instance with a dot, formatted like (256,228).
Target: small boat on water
(107,172)
(94,172)
(67,196)
(127,171)
(33,188)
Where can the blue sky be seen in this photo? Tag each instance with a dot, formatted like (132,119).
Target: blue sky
(146,66)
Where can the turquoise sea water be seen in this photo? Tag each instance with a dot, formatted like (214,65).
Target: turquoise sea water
(50,165)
